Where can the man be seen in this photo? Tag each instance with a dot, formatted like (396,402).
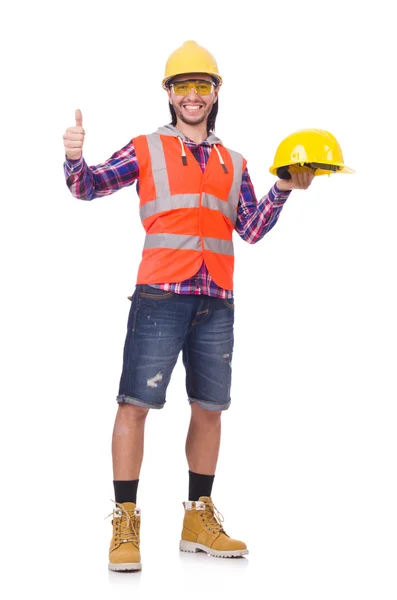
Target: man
(193,193)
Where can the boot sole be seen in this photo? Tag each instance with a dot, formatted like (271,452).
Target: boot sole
(193,547)
(125,566)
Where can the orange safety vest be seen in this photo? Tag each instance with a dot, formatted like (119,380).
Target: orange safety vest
(189,216)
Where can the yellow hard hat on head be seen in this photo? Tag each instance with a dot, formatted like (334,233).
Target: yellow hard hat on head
(315,148)
(191,58)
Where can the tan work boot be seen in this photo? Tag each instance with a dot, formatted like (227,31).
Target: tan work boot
(202,530)
(124,552)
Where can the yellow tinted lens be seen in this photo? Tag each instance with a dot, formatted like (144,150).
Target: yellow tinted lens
(202,88)
(182,88)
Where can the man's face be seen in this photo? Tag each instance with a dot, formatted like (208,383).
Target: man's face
(193,109)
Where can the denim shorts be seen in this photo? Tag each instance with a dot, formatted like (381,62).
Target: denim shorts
(161,324)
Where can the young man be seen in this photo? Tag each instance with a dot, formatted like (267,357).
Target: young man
(194,192)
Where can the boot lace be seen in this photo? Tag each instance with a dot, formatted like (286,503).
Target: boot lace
(127,525)
(215,518)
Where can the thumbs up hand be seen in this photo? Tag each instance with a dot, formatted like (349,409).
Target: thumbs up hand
(73,138)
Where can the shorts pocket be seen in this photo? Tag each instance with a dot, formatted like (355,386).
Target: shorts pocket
(147,291)
(229,302)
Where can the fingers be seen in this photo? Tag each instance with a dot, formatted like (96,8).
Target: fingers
(301,177)
(72,134)
(72,144)
(305,178)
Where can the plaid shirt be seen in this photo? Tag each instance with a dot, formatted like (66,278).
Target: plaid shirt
(254,219)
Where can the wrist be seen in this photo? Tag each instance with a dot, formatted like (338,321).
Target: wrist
(283,185)
(74,159)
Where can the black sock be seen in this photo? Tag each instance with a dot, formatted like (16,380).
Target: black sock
(200,485)
(125,491)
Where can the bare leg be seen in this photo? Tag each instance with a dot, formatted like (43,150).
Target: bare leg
(203,440)
(127,442)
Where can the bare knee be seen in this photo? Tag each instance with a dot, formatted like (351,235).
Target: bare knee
(203,415)
(131,413)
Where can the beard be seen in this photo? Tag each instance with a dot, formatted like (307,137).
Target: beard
(192,119)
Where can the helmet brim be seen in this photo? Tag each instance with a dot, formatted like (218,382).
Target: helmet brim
(341,168)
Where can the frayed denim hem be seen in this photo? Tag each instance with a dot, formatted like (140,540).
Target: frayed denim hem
(209,405)
(123,399)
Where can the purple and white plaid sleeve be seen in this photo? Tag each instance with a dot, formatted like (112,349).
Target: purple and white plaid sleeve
(87,183)
(255,219)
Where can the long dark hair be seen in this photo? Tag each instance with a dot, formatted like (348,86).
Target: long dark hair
(211,116)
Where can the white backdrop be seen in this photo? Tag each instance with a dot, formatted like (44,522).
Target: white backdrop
(306,473)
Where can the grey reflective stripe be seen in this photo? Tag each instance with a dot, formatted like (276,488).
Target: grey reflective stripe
(229,208)
(234,194)
(187,242)
(169,203)
(218,246)
(164,201)
(225,208)
(159,167)
(172,240)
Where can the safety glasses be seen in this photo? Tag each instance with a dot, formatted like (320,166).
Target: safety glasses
(200,86)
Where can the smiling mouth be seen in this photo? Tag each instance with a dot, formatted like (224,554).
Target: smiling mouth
(192,107)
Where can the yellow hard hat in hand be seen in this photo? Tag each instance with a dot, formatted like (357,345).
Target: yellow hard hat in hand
(314,148)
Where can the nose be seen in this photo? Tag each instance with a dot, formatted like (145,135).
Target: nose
(192,94)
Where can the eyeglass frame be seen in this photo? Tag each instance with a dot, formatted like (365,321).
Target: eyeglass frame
(212,82)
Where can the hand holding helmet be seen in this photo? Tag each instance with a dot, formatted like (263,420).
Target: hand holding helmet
(304,155)
(299,179)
